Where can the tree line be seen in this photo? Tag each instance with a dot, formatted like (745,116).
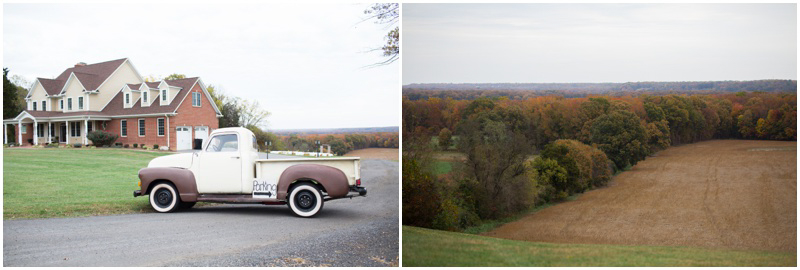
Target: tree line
(522,91)
(340,143)
(522,153)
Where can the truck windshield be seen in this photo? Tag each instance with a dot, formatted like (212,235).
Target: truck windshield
(223,143)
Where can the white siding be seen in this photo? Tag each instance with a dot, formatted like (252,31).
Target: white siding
(123,75)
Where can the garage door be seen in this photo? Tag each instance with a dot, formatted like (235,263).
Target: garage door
(201,132)
(184,136)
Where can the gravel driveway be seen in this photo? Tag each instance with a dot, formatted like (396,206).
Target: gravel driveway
(348,232)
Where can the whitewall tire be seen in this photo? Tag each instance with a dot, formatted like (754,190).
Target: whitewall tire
(305,200)
(164,198)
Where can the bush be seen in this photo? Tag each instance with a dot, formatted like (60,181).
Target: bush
(127,145)
(100,138)
(77,145)
(155,147)
(135,145)
(51,145)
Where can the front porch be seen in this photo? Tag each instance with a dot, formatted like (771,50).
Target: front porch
(32,130)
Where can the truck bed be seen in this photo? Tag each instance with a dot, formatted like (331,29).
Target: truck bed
(271,169)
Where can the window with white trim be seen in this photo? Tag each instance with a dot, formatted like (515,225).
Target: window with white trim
(61,104)
(34,105)
(44,105)
(163,96)
(144,97)
(52,130)
(196,99)
(69,104)
(123,128)
(127,98)
(24,129)
(40,130)
(74,129)
(89,126)
(141,127)
(80,103)
(160,126)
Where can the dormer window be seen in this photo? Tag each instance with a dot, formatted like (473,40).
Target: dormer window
(127,99)
(144,98)
(163,96)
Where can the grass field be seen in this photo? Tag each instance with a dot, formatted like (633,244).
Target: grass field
(425,247)
(43,183)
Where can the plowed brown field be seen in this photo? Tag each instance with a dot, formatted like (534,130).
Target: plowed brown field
(730,194)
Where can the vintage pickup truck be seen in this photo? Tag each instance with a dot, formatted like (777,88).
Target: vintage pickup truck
(227,169)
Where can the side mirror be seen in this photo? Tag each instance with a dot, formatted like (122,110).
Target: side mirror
(198,144)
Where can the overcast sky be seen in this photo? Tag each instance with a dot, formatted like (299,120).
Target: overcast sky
(492,43)
(303,63)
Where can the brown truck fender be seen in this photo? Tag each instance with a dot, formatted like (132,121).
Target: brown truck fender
(333,180)
(183,180)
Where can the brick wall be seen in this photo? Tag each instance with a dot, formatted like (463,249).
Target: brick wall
(188,115)
(25,136)
(150,137)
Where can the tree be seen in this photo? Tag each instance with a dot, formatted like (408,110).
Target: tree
(175,76)
(11,105)
(621,136)
(445,138)
(250,113)
(387,13)
(550,176)
(494,165)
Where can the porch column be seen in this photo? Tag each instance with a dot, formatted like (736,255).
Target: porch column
(35,132)
(5,133)
(66,138)
(49,139)
(167,130)
(19,131)
(85,130)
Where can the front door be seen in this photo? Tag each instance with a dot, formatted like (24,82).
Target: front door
(62,138)
(184,138)
(220,166)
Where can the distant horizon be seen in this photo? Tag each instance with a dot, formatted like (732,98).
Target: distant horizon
(284,129)
(598,82)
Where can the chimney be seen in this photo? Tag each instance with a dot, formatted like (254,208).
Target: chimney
(80,64)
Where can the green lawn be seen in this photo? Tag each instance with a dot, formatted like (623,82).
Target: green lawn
(425,247)
(53,182)
(442,167)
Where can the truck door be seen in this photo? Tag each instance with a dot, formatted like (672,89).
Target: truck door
(220,169)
